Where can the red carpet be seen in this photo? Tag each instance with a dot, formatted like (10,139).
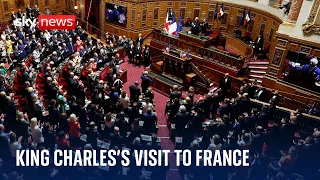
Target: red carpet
(160,100)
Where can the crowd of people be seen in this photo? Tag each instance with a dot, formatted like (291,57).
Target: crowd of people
(83,111)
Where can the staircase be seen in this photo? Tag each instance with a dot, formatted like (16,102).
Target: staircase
(258,68)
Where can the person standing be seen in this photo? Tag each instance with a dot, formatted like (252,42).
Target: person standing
(225,84)
(135,92)
(195,26)
(139,40)
(145,82)
(147,55)
(138,54)
(131,51)
(258,46)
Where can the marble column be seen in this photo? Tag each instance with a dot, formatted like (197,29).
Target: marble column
(264,2)
(294,11)
(102,18)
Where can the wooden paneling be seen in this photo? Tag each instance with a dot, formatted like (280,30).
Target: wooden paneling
(262,21)
(7,6)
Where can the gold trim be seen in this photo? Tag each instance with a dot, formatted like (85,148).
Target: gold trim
(309,26)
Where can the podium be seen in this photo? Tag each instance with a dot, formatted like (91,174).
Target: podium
(175,66)
(204,41)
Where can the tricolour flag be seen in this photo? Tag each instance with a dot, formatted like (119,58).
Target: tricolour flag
(167,23)
(243,16)
(215,14)
(247,19)
(173,26)
(221,13)
(180,26)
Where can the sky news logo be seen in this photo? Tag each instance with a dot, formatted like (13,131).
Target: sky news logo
(49,22)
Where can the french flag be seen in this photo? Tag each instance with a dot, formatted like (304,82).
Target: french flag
(173,27)
(247,19)
(221,13)
(167,23)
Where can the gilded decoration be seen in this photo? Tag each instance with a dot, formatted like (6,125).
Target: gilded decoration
(312,25)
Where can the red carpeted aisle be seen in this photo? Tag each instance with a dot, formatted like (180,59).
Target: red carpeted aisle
(160,100)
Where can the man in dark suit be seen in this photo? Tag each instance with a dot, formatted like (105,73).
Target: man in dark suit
(16,53)
(195,26)
(139,40)
(181,120)
(204,26)
(171,14)
(257,141)
(258,46)
(175,93)
(135,92)
(19,13)
(28,11)
(138,54)
(252,88)
(225,84)
(36,11)
(145,82)
(116,138)
(251,120)
(131,51)
(225,109)
(147,55)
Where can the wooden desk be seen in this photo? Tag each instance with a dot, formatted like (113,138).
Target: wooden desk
(175,65)
(195,39)
(239,46)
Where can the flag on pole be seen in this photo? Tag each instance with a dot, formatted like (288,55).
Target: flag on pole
(215,14)
(180,26)
(243,16)
(173,26)
(221,13)
(247,19)
(167,23)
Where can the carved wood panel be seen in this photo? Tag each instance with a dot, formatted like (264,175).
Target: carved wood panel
(278,53)
(196,13)
(156,13)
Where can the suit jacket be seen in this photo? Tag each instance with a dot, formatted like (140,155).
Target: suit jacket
(181,120)
(134,91)
(225,85)
(138,51)
(225,110)
(175,94)
(145,81)
(147,53)
(131,50)
(140,40)
(195,27)
(259,44)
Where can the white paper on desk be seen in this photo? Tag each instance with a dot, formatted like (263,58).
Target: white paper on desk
(179,139)
(146,137)
(173,126)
